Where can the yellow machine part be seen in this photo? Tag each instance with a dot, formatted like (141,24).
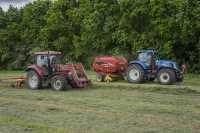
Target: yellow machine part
(108,78)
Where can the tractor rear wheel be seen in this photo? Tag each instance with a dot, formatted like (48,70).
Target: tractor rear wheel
(100,77)
(33,80)
(59,83)
(166,76)
(135,74)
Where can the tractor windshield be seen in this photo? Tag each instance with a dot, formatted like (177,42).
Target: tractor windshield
(145,57)
(42,60)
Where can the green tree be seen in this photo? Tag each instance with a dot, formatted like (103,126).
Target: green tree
(133,25)
(10,36)
(98,21)
(59,31)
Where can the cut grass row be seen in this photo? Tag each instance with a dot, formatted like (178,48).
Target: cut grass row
(103,108)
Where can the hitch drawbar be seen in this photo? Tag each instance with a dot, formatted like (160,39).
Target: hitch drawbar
(13,81)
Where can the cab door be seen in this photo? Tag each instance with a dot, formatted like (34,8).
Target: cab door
(42,62)
(146,59)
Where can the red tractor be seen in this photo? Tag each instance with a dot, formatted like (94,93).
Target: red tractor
(108,67)
(48,69)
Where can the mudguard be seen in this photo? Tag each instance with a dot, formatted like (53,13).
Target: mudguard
(37,69)
(166,67)
(64,74)
(142,64)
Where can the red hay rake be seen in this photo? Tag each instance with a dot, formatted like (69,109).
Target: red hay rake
(13,81)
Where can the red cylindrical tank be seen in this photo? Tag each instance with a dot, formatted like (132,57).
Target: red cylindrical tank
(110,64)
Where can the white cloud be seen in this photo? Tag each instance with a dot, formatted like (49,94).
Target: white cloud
(16,3)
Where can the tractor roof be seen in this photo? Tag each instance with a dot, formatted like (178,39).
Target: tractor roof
(48,53)
(147,51)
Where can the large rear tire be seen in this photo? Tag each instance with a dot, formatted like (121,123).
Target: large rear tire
(166,76)
(135,74)
(59,83)
(33,80)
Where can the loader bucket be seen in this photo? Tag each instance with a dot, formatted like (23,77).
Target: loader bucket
(78,76)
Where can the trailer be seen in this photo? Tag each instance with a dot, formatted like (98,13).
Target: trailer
(108,68)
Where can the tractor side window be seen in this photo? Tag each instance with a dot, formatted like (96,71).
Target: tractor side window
(56,60)
(42,61)
(157,57)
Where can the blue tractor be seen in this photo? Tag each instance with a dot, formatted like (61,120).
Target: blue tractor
(149,67)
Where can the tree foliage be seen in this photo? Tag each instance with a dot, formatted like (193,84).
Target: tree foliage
(86,28)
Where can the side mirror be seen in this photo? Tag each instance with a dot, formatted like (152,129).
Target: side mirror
(32,61)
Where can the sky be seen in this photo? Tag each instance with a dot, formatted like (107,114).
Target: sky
(16,3)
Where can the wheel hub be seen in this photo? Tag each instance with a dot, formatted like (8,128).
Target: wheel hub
(164,77)
(33,81)
(134,74)
(57,85)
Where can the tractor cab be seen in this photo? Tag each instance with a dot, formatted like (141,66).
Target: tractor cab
(149,59)
(46,60)
(148,66)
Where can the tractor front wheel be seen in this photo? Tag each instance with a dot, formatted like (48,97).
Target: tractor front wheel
(33,80)
(166,76)
(135,74)
(59,83)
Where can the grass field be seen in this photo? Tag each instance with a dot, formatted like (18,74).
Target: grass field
(117,107)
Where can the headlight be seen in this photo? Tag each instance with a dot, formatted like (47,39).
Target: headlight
(176,66)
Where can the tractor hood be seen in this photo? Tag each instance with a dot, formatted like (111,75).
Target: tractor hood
(167,63)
